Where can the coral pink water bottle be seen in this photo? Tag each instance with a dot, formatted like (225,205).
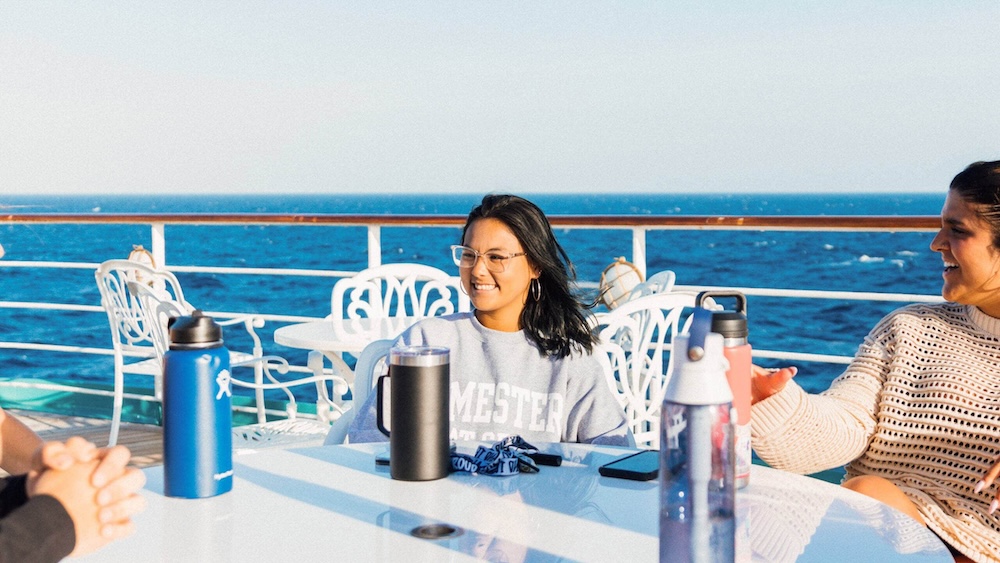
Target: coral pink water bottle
(732,325)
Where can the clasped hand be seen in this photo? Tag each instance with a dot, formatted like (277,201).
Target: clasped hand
(95,486)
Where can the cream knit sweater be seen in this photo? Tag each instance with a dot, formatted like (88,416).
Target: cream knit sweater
(919,406)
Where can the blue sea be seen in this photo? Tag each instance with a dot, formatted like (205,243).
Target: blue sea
(897,262)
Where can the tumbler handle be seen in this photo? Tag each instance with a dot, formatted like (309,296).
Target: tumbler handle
(379,395)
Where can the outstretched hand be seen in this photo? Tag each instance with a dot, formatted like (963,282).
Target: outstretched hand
(988,480)
(766,382)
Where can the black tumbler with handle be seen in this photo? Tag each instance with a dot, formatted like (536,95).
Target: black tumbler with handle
(418,408)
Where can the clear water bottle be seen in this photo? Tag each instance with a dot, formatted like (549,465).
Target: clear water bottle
(197,410)
(697,457)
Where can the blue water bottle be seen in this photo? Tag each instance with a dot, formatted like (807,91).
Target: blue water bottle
(197,410)
(697,452)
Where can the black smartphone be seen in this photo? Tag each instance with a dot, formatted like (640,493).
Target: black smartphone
(554,460)
(640,466)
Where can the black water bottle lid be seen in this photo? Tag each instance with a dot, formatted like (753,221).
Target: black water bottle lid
(194,332)
(730,324)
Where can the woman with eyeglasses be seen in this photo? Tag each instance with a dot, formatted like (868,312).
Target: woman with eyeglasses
(521,361)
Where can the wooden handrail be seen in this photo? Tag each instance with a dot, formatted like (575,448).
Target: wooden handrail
(776,222)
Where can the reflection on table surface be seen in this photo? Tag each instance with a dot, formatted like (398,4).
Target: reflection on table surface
(333,502)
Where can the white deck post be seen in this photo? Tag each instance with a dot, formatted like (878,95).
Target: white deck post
(374,246)
(639,249)
(159,249)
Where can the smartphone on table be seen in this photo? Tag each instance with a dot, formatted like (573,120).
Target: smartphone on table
(640,466)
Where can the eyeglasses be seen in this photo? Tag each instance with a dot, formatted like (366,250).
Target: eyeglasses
(466,257)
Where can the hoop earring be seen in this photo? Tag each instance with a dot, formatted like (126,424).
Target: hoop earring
(536,289)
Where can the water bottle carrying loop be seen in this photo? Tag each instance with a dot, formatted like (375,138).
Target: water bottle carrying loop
(700,328)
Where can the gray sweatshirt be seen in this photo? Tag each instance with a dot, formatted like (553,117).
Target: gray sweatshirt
(501,385)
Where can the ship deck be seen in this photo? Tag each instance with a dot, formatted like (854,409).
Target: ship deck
(144,440)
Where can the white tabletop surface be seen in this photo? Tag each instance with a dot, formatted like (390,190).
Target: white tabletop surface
(332,503)
(340,335)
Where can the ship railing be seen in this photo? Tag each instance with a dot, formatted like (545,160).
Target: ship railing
(815,294)
(637,226)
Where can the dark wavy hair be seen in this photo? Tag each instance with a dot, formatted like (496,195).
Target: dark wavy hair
(557,321)
(979,184)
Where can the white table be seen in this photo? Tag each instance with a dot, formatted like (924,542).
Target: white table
(335,337)
(331,503)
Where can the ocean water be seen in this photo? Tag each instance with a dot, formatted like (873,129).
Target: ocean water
(889,262)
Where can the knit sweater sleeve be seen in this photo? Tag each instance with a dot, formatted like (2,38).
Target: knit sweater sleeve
(805,433)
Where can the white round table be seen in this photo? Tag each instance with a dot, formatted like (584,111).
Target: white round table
(334,503)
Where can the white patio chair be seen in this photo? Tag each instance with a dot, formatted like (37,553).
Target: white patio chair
(660,282)
(635,350)
(138,348)
(398,290)
(288,431)
(371,364)
(131,340)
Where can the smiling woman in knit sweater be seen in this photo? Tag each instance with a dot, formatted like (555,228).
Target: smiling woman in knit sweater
(916,415)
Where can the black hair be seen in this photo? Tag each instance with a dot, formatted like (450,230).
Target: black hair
(556,322)
(979,184)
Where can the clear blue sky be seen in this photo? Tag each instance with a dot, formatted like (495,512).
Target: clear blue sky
(325,97)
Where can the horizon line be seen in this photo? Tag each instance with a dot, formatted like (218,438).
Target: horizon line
(461,194)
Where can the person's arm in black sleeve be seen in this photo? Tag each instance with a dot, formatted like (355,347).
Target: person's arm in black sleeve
(39,530)
(12,494)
